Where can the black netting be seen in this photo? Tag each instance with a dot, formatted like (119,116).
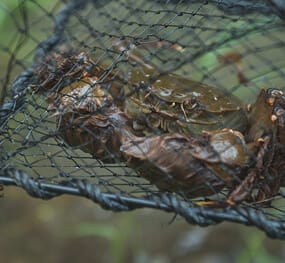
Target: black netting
(125,103)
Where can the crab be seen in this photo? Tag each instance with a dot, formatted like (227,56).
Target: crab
(250,165)
(183,136)
(166,102)
(169,103)
(87,118)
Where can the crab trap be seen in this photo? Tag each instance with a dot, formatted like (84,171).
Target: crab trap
(170,105)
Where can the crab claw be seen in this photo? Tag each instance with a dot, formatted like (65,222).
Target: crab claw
(266,113)
(279,116)
(273,95)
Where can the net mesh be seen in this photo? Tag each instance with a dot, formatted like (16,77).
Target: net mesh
(91,91)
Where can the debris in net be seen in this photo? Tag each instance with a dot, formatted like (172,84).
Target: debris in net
(235,59)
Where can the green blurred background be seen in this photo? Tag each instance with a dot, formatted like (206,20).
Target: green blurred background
(72,229)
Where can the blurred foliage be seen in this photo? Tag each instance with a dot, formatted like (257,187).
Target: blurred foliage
(255,251)
(115,235)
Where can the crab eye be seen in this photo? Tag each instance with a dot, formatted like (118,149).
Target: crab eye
(179,95)
(165,93)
